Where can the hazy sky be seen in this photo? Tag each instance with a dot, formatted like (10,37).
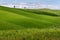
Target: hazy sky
(51,3)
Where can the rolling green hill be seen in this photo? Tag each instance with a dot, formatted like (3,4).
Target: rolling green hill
(11,18)
(29,24)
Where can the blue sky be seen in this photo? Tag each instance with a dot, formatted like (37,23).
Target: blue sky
(55,2)
(44,2)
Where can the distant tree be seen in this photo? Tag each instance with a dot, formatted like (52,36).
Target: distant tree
(14,6)
(24,7)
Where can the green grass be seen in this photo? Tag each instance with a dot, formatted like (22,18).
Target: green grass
(29,24)
(30,34)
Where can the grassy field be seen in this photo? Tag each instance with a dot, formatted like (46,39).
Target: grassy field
(29,24)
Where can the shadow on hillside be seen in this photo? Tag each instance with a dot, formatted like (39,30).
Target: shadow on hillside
(41,12)
(46,13)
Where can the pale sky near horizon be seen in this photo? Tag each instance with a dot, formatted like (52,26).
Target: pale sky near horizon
(51,3)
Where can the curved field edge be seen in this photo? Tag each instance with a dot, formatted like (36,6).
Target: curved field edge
(31,34)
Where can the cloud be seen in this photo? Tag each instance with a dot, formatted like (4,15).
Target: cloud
(34,6)
(8,6)
(53,7)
